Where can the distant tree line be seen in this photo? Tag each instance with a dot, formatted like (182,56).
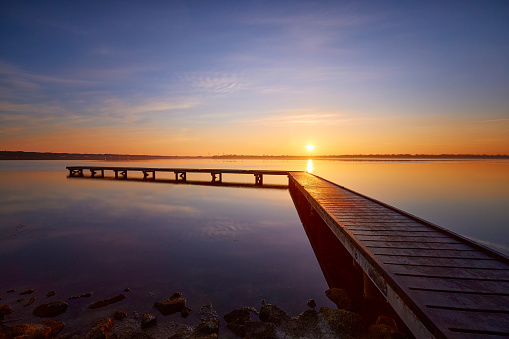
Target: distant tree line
(20,155)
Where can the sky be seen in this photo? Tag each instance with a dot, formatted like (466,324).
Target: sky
(255,77)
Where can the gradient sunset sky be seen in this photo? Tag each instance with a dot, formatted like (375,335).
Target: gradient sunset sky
(254,77)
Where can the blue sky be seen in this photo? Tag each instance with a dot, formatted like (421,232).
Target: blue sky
(213,77)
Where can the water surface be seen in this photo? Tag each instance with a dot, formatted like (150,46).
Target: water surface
(226,245)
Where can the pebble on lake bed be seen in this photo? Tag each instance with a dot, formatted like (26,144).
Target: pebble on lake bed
(50,294)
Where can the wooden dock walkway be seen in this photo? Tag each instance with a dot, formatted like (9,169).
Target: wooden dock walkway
(441,284)
(180,173)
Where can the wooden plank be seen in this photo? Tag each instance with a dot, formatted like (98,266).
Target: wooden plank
(443,262)
(438,253)
(403,227)
(467,301)
(455,285)
(451,272)
(461,322)
(406,238)
(403,232)
(377,245)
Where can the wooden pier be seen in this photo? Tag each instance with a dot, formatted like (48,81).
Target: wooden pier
(442,285)
(180,173)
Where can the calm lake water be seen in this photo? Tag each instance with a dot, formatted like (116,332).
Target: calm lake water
(227,245)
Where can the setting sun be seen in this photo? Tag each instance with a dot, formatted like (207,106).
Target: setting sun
(310,147)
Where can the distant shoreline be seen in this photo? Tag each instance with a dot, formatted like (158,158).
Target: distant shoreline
(20,155)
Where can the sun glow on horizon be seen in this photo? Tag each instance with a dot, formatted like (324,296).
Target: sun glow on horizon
(310,147)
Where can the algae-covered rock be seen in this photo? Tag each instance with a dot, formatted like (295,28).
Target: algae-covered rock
(43,329)
(101,329)
(339,297)
(341,321)
(273,314)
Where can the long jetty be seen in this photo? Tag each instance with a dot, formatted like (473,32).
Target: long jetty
(441,285)
(180,173)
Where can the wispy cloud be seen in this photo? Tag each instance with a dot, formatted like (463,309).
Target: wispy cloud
(13,74)
(486,121)
(214,82)
(308,117)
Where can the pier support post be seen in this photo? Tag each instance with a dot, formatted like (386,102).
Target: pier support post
(217,177)
(146,173)
(258,179)
(179,176)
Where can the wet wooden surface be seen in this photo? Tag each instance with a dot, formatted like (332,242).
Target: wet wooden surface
(455,287)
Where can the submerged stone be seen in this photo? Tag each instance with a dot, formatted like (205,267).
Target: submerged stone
(30,302)
(120,315)
(209,325)
(106,302)
(342,321)
(311,303)
(27,292)
(339,297)
(84,295)
(50,294)
(384,331)
(148,320)
(43,329)
(4,311)
(273,314)
(101,329)
(170,306)
(51,309)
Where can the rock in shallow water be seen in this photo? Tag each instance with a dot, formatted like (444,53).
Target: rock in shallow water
(84,295)
(30,302)
(170,306)
(50,294)
(119,315)
(27,292)
(101,329)
(209,325)
(148,320)
(5,310)
(51,309)
(106,302)
(273,314)
(340,297)
(42,329)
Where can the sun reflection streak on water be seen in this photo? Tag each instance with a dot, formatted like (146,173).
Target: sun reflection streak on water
(310,166)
